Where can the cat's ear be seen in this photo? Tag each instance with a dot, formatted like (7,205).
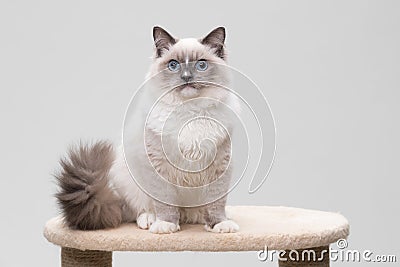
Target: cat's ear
(215,39)
(162,40)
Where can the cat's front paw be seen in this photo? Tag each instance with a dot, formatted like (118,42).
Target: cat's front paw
(227,226)
(145,220)
(163,227)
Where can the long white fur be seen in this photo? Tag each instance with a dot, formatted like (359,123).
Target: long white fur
(139,206)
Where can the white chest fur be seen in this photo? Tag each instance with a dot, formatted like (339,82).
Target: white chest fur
(188,145)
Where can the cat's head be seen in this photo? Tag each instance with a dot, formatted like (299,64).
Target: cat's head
(192,67)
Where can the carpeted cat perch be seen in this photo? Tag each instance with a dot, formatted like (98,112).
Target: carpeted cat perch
(278,228)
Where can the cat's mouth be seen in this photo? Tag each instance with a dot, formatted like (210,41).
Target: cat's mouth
(190,85)
(190,89)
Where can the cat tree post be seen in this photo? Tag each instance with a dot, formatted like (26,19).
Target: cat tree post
(275,228)
(71,257)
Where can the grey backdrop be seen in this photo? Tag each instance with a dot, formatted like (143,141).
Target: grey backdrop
(330,70)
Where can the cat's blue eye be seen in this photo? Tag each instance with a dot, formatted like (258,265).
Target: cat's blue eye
(174,65)
(201,65)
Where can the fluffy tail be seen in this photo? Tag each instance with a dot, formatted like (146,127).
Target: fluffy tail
(85,197)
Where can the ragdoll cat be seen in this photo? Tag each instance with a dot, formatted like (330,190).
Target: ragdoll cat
(96,188)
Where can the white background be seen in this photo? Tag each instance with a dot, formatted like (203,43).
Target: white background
(330,70)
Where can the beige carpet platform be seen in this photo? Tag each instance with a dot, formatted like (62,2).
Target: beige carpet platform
(279,228)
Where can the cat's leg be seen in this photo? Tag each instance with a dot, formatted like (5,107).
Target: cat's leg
(138,207)
(145,216)
(216,220)
(167,219)
(145,220)
(138,211)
